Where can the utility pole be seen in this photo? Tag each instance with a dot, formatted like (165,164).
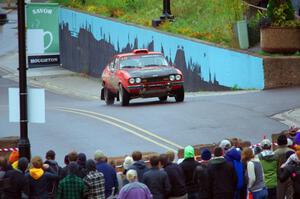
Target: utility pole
(24,145)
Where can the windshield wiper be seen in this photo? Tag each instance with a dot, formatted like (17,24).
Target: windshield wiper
(129,66)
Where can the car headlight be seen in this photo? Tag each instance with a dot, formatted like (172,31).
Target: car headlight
(178,77)
(138,80)
(172,77)
(131,81)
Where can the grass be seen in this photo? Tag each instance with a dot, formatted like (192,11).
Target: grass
(206,20)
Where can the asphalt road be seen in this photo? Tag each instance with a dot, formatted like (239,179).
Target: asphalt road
(148,125)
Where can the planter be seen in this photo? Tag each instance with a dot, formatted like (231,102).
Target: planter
(280,40)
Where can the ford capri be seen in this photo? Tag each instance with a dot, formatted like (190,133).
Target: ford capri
(141,74)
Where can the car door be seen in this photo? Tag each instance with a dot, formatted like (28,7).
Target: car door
(115,75)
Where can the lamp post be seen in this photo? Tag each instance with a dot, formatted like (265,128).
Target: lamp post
(166,14)
(24,145)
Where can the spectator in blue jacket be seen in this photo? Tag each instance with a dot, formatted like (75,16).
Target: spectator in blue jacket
(234,156)
(110,175)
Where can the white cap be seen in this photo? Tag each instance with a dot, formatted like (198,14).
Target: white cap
(225,144)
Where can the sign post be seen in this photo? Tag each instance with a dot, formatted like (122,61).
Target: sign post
(42,34)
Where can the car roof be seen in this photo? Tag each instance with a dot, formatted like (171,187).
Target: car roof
(138,52)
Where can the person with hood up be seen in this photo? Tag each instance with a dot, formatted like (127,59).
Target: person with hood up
(134,189)
(94,181)
(284,189)
(40,176)
(56,169)
(201,175)
(269,165)
(222,176)
(138,164)
(17,183)
(234,156)
(188,166)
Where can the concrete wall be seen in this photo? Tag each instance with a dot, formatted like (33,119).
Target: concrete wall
(281,72)
(88,42)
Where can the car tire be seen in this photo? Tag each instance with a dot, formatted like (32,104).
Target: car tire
(108,97)
(123,96)
(163,98)
(179,97)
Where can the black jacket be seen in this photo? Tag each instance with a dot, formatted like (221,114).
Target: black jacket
(140,168)
(202,179)
(17,183)
(157,182)
(222,178)
(176,178)
(188,166)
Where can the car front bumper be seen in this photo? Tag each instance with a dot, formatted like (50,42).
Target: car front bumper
(154,89)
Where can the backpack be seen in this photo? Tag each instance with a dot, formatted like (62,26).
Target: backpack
(296,176)
(201,178)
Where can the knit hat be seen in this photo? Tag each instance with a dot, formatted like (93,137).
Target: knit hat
(225,144)
(128,161)
(265,144)
(282,140)
(297,139)
(14,156)
(90,165)
(206,154)
(189,152)
(99,154)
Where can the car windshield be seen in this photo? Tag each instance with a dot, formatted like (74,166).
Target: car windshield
(140,61)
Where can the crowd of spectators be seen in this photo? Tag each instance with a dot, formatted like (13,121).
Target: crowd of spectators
(229,171)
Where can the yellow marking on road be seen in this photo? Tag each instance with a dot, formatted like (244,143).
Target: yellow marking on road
(126,123)
(119,126)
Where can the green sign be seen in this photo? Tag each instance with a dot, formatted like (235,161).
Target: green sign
(42,28)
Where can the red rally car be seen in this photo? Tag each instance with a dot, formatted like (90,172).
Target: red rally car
(141,74)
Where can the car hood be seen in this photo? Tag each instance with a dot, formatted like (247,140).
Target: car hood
(152,72)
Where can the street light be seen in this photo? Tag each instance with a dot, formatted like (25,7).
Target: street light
(166,14)
(23,145)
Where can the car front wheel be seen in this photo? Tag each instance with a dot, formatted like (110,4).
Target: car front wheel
(123,96)
(108,97)
(179,97)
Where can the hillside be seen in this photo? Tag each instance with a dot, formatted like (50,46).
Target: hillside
(211,20)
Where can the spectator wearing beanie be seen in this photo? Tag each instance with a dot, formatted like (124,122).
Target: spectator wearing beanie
(284,189)
(94,181)
(269,164)
(176,178)
(72,186)
(110,175)
(222,176)
(17,181)
(188,166)
(128,161)
(225,145)
(201,175)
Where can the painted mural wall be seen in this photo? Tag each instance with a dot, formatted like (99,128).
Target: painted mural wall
(88,43)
